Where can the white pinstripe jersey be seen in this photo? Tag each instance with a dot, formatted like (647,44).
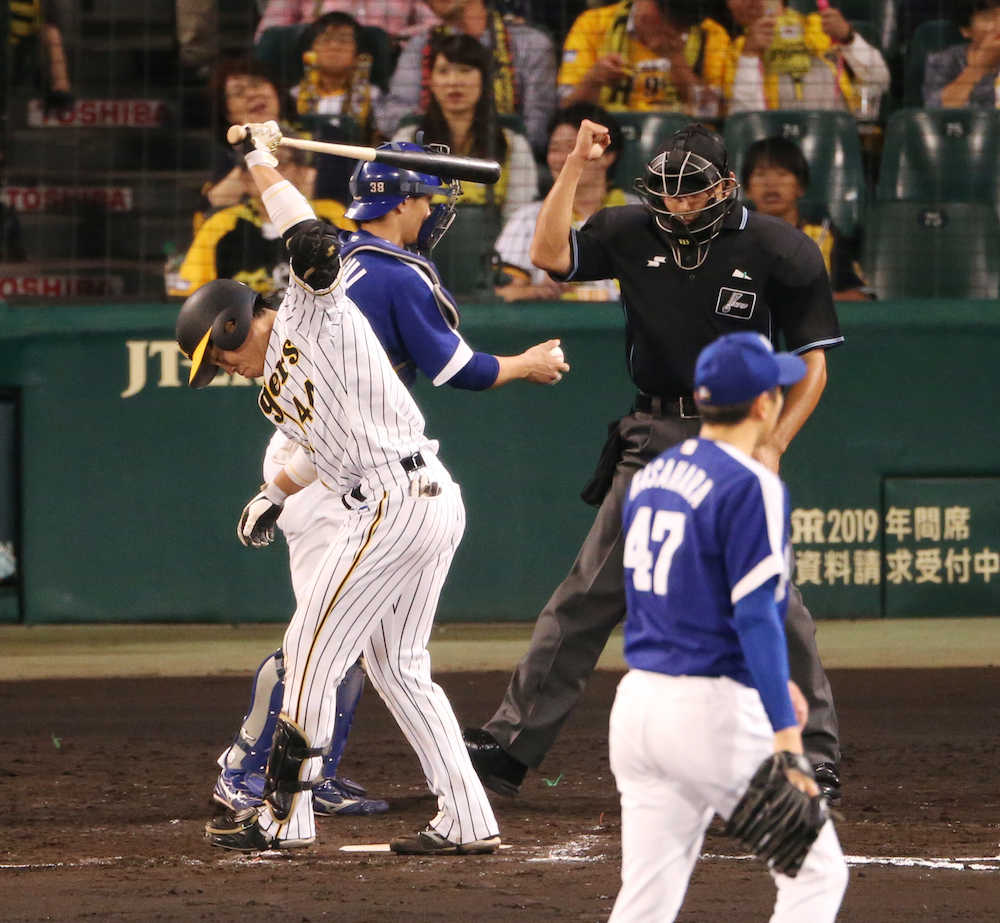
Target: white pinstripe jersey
(329,386)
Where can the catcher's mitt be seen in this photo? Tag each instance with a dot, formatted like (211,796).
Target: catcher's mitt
(776,821)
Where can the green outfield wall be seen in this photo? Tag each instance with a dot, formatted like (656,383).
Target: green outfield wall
(126,485)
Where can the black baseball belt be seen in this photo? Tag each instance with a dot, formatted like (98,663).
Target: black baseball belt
(409,464)
(682,405)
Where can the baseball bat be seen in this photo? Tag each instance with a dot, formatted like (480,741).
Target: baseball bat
(447,166)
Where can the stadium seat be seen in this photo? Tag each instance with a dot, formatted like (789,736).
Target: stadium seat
(829,141)
(932,250)
(642,134)
(941,155)
(464,257)
(928,37)
(277,47)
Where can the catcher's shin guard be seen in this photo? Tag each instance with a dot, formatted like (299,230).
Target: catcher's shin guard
(348,697)
(289,752)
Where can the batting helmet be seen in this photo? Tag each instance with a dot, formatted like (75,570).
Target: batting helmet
(694,160)
(377,188)
(218,314)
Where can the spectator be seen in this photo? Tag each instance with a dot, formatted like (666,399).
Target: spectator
(784,59)
(336,77)
(239,242)
(197,37)
(244,92)
(595,190)
(400,18)
(524,68)
(966,75)
(37,50)
(645,54)
(461,114)
(775,177)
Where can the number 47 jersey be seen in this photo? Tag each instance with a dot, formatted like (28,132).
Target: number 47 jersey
(705,525)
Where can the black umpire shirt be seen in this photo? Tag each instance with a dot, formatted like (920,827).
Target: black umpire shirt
(761,274)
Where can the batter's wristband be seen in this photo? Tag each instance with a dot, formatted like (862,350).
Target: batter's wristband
(285,205)
(274,493)
(259,158)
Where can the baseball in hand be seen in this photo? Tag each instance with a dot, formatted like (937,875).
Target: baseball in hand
(236,134)
(557,354)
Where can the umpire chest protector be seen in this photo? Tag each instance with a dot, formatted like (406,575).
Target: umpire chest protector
(761,274)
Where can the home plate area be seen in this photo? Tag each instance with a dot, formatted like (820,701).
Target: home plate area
(110,824)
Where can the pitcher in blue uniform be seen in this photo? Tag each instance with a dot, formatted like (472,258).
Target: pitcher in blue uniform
(708,696)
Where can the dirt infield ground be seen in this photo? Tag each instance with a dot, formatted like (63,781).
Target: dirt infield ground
(106,783)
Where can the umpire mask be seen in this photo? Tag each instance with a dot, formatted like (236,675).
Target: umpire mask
(692,162)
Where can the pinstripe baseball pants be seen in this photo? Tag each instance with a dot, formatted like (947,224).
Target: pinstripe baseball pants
(375,593)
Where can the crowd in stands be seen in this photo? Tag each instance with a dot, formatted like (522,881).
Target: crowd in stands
(509,80)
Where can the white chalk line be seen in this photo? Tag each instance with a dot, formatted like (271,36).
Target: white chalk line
(579,850)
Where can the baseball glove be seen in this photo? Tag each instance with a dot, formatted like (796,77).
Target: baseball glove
(774,820)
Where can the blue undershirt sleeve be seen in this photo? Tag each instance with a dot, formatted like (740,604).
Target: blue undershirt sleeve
(762,638)
(477,374)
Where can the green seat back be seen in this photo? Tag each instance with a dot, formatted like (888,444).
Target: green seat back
(933,35)
(829,142)
(932,250)
(941,155)
(277,47)
(340,128)
(464,257)
(642,134)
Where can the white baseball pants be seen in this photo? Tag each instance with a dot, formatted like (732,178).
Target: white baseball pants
(684,748)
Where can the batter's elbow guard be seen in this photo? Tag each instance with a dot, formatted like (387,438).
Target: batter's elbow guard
(314,250)
(289,752)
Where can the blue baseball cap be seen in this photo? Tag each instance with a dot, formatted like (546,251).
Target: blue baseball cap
(738,366)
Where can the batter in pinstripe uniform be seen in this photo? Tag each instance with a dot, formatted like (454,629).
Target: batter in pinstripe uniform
(330,387)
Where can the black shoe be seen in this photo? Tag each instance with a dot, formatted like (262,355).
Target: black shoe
(499,771)
(430,843)
(237,830)
(828,780)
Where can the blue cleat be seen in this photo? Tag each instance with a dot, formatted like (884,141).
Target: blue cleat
(235,790)
(332,797)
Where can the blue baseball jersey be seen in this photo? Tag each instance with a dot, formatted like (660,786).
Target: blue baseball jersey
(395,290)
(705,525)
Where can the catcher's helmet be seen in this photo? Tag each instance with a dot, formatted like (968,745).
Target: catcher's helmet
(693,160)
(218,314)
(377,188)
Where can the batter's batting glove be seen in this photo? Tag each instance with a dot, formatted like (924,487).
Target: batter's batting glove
(257,522)
(264,137)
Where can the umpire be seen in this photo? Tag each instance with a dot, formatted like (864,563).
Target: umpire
(693,263)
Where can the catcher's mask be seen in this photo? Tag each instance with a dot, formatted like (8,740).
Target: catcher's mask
(218,314)
(693,161)
(377,188)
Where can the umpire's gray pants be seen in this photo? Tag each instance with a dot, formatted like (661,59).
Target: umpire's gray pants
(573,628)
